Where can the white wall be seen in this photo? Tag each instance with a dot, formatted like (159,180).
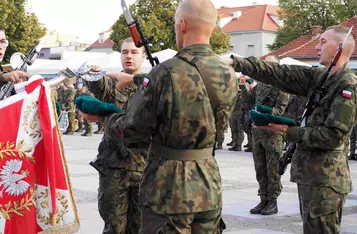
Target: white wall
(101,49)
(251,43)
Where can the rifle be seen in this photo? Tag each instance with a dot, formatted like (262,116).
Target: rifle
(9,88)
(137,34)
(314,99)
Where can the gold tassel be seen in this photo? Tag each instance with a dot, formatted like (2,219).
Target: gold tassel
(52,219)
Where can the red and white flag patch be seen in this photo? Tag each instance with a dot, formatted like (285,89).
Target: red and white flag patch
(146,81)
(346,94)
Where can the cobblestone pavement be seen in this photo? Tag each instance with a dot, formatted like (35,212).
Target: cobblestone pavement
(239,192)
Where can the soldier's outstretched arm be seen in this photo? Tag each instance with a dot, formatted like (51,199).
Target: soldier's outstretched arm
(145,110)
(288,78)
(102,89)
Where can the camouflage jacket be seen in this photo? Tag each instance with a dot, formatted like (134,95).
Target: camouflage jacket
(60,94)
(68,99)
(112,153)
(320,158)
(173,107)
(238,108)
(296,107)
(272,97)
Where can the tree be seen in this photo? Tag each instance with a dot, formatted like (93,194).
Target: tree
(300,15)
(157,18)
(22,28)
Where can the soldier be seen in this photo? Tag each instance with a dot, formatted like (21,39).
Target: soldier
(220,138)
(181,105)
(79,92)
(236,121)
(118,192)
(322,184)
(68,104)
(353,139)
(60,93)
(267,149)
(14,76)
(248,96)
(87,126)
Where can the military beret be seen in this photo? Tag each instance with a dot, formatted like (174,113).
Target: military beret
(250,80)
(263,119)
(58,108)
(93,106)
(264,109)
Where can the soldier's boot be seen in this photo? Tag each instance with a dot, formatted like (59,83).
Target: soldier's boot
(86,133)
(79,129)
(219,146)
(270,208)
(100,128)
(68,133)
(258,209)
(248,149)
(236,148)
(230,143)
(246,145)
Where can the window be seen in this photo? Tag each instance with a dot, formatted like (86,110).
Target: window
(42,54)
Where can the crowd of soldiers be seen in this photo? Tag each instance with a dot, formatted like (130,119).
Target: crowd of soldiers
(66,95)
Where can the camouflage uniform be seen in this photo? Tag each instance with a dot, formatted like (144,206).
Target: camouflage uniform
(87,126)
(353,139)
(295,107)
(60,96)
(79,92)
(319,165)
(181,104)
(248,104)
(118,192)
(236,122)
(268,145)
(68,102)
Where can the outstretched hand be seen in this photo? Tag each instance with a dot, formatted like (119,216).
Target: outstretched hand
(14,76)
(282,128)
(88,117)
(123,79)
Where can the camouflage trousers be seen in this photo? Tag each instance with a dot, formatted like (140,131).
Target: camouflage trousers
(236,123)
(118,201)
(80,120)
(87,126)
(195,223)
(71,117)
(320,209)
(266,154)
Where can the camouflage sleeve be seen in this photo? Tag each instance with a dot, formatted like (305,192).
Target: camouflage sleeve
(339,122)
(288,78)
(147,105)
(138,79)
(281,103)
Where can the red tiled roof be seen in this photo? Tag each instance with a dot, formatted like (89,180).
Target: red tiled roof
(106,43)
(303,48)
(253,18)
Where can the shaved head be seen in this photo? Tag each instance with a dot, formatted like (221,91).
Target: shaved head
(340,34)
(199,14)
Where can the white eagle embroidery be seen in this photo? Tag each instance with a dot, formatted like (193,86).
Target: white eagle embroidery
(12,182)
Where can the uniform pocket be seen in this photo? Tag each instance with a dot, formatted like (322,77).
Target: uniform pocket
(324,207)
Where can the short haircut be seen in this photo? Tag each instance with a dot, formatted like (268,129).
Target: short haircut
(273,58)
(341,30)
(2,29)
(130,40)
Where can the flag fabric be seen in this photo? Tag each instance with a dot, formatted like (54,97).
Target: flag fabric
(35,189)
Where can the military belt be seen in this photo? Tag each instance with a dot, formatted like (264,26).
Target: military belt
(181,154)
(304,148)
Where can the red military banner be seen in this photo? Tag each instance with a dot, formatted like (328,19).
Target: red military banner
(35,190)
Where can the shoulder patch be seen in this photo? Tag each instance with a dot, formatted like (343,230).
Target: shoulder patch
(346,94)
(146,82)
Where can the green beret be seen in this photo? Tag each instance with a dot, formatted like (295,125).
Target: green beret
(58,108)
(264,109)
(250,81)
(93,106)
(263,119)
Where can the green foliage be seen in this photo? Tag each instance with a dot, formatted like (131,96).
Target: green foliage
(22,28)
(300,15)
(157,18)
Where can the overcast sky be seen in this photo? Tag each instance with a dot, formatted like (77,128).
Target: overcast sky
(86,18)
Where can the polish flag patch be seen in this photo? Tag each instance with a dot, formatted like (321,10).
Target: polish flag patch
(346,94)
(146,81)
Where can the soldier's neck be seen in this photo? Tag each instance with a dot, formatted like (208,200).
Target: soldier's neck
(131,72)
